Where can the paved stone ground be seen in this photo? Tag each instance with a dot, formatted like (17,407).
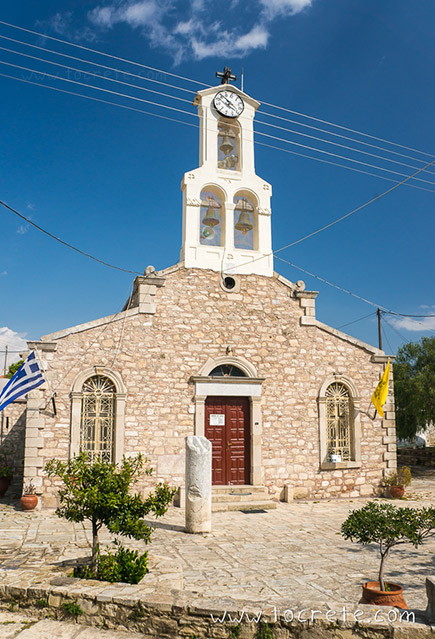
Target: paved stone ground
(294,552)
(16,626)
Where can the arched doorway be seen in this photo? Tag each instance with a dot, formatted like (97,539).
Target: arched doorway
(228,412)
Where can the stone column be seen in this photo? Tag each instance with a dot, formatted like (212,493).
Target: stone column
(198,484)
(430,592)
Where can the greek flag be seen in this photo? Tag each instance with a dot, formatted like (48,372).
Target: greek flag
(27,377)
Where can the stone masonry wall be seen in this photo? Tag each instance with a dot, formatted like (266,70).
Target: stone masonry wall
(195,319)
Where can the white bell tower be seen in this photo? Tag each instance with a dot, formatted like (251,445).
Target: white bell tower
(226,205)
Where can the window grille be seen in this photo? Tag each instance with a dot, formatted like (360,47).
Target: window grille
(338,418)
(97,425)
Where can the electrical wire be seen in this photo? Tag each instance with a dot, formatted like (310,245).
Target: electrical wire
(385,310)
(108,55)
(91,86)
(103,66)
(374,137)
(96,75)
(187,79)
(135,86)
(74,248)
(334,222)
(339,135)
(357,320)
(343,290)
(195,115)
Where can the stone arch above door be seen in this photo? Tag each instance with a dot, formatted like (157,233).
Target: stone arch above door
(249,386)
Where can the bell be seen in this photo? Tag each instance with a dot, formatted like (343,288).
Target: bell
(226,147)
(209,218)
(244,224)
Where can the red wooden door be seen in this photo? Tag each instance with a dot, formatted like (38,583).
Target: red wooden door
(227,426)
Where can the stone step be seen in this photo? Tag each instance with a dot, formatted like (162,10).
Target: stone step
(252,505)
(238,497)
(239,489)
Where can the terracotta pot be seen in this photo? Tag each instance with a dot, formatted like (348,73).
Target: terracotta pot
(4,485)
(28,502)
(375,597)
(396,492)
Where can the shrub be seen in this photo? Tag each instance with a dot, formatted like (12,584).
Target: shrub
(99,492)
(402,477)
(123,565)
(72,609)
(388,526)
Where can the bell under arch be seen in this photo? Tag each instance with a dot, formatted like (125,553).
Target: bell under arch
(212,216)
(245,220)
(228,142)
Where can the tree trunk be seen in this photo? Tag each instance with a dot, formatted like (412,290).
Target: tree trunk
(381,569)
(94,545)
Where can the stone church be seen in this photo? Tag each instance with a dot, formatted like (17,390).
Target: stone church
(218,345)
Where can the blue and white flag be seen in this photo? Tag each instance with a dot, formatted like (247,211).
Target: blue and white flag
(27,377)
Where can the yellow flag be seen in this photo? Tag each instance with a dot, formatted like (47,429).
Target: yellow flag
(380,394)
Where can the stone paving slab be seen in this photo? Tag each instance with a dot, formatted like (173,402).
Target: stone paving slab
(294,553)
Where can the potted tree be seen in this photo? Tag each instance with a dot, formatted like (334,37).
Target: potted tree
(29,500)
(5,476)
(387,526)
(397,481)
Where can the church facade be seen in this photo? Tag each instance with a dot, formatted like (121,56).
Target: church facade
(218,345)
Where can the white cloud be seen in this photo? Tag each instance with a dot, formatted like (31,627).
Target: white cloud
(22,229)
(136,14)
(275,8)
(420,324)
(4,273)
(14,341)
(186,29)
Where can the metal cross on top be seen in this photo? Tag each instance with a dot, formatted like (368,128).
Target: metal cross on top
(226,76)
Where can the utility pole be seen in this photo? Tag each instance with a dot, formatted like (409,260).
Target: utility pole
(379,314)
(5,367)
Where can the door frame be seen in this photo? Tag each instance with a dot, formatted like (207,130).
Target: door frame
(249,387)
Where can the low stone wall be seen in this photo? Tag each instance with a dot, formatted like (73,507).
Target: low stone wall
(416,456)
(177,614)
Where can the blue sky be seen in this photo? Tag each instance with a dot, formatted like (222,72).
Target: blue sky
(106,179)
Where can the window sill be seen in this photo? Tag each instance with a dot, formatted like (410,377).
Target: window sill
(339,465)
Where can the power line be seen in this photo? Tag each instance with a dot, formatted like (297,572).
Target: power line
(74,248)
(135,86)
(357,320)
(334,222)
(195,115)
(72,57)
(91,86)
(385,310)
(303,115)
(339,135)
(96,75)
(187,79)
(108,55)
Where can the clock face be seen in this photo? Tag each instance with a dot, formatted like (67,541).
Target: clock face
(228,104)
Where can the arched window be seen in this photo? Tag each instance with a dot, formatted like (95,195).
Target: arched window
(245,221)
(211,217)
(228,142)
(338,417)
(227,370)
(340,428)
(97,424)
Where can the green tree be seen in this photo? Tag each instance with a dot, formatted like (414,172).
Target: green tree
(100,493)
(414,386)
(388,526)
(13,368)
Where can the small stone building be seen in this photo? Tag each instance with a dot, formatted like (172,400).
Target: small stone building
(218,345)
